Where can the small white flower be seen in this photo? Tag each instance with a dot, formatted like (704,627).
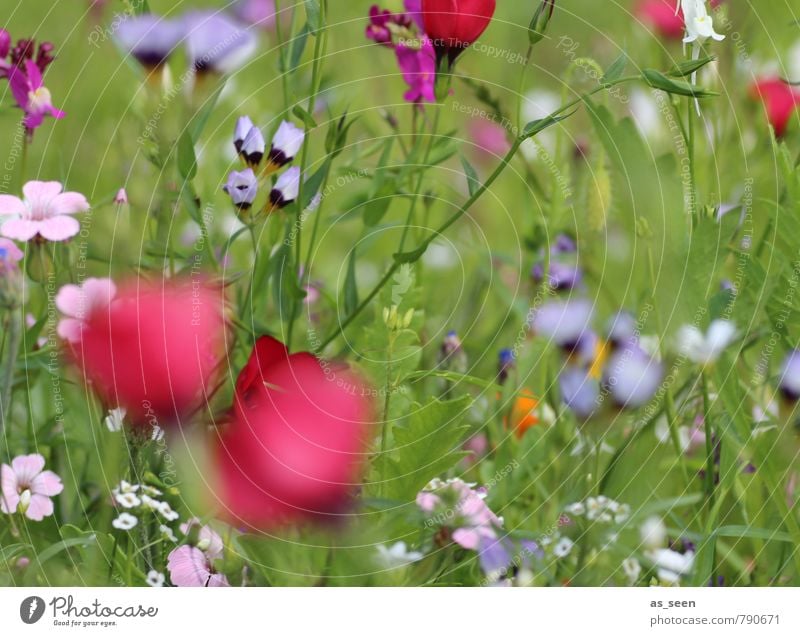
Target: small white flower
(166,511)
(622,514)
(150,503)
(705,349)
(593,508)
(632,569)
(125,521)
(699,25)
(653,533)
(124,486)
(128,500)
(671,565)
(577,509)
(115,419)
(167,533)
(397,555)
(153,492)
(155,579)
(157,434)
(563,548)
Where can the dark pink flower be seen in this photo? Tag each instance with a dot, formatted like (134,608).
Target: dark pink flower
(31,95)
(418,66)
(780,100)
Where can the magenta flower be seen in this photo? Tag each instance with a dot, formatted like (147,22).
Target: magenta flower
(31,95)
(78,302)
(27,488)
(378,27)
(190,567)
(45,212)
(418,66)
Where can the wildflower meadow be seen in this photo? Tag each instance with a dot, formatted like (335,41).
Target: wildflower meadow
(434,293)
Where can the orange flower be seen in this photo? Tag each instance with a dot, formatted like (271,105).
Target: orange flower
(523,414)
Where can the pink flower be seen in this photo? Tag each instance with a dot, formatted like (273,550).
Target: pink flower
(10,254)
(78,302)
(457,506)
(27,488)
(31,95)
(190,567)
(418,66)
(208,541)
(45,212)
(780,100)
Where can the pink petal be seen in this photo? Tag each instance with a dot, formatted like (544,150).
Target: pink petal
(47,483)
(467,538)
(218,580)
(19,87)
(26,468)
(68,203)
(99,292)
(20,229)
(34,119)
(55,113)
(69,300)
(34,74)
(40,193)
(40,508)
(11,205)
(59,228)
(10,498)
(70,329)
(188,567)
(12,251)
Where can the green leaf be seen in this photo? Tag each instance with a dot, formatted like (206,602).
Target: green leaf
(285,563)
(297,48)
(687,68)
(428,445)
(615,71)
(187,160)
(200,120)
(473,181)
(302,114)
(656,79)
(383,189)
(313,15)
(535,127)
(351,285)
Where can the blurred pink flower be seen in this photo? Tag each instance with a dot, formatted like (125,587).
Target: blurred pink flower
(10,254)
(27,487)
(190,567)
(490,139)
(45,212)
(78,302)
(31,95)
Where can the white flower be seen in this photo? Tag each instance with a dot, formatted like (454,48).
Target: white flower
(150,503)
(166,511)
(286,143)
(155,579)
(128,500)
(699,25)
(167,533)
(632,569)
(622,513)
(672,565)
(705,349)
(115,419)
(124,486)
(125,522)
(397,555)
(157,434)
(563,548)
(653,533)
(576,509)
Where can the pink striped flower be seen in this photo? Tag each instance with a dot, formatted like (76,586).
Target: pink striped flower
(190,567)
(27,487)
(45,212)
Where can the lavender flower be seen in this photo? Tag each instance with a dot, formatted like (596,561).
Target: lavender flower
(242,187)
(286,189)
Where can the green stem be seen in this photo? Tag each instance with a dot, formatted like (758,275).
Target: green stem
(14,339)
(282,49)
(344,324)
(521,85)
(709,433)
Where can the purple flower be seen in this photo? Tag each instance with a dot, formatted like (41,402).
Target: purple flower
(242,187)
(622,329)
(286,188)
(418,66)
(790,376)
(632,377)
(150,39)
(506,363)
(215,43)
(580,391)
(260,13)
(414,11)
(286,143)
(31,95)
(564,322)
(378,27)
(564,273)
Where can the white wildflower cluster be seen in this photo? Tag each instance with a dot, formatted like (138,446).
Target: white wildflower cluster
(600,509)
(135,500)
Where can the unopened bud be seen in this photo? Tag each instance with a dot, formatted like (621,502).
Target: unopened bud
(540,22)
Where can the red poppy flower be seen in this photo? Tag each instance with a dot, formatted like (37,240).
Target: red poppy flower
(296,442)
(453,25)
(154,349)
(780,101)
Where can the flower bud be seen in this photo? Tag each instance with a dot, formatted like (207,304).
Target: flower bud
(285,144)
(286,189)
(540,22)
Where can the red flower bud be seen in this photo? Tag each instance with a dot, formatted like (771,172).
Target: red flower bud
(455,24)
(780,100)
(154,349)
(297,440)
